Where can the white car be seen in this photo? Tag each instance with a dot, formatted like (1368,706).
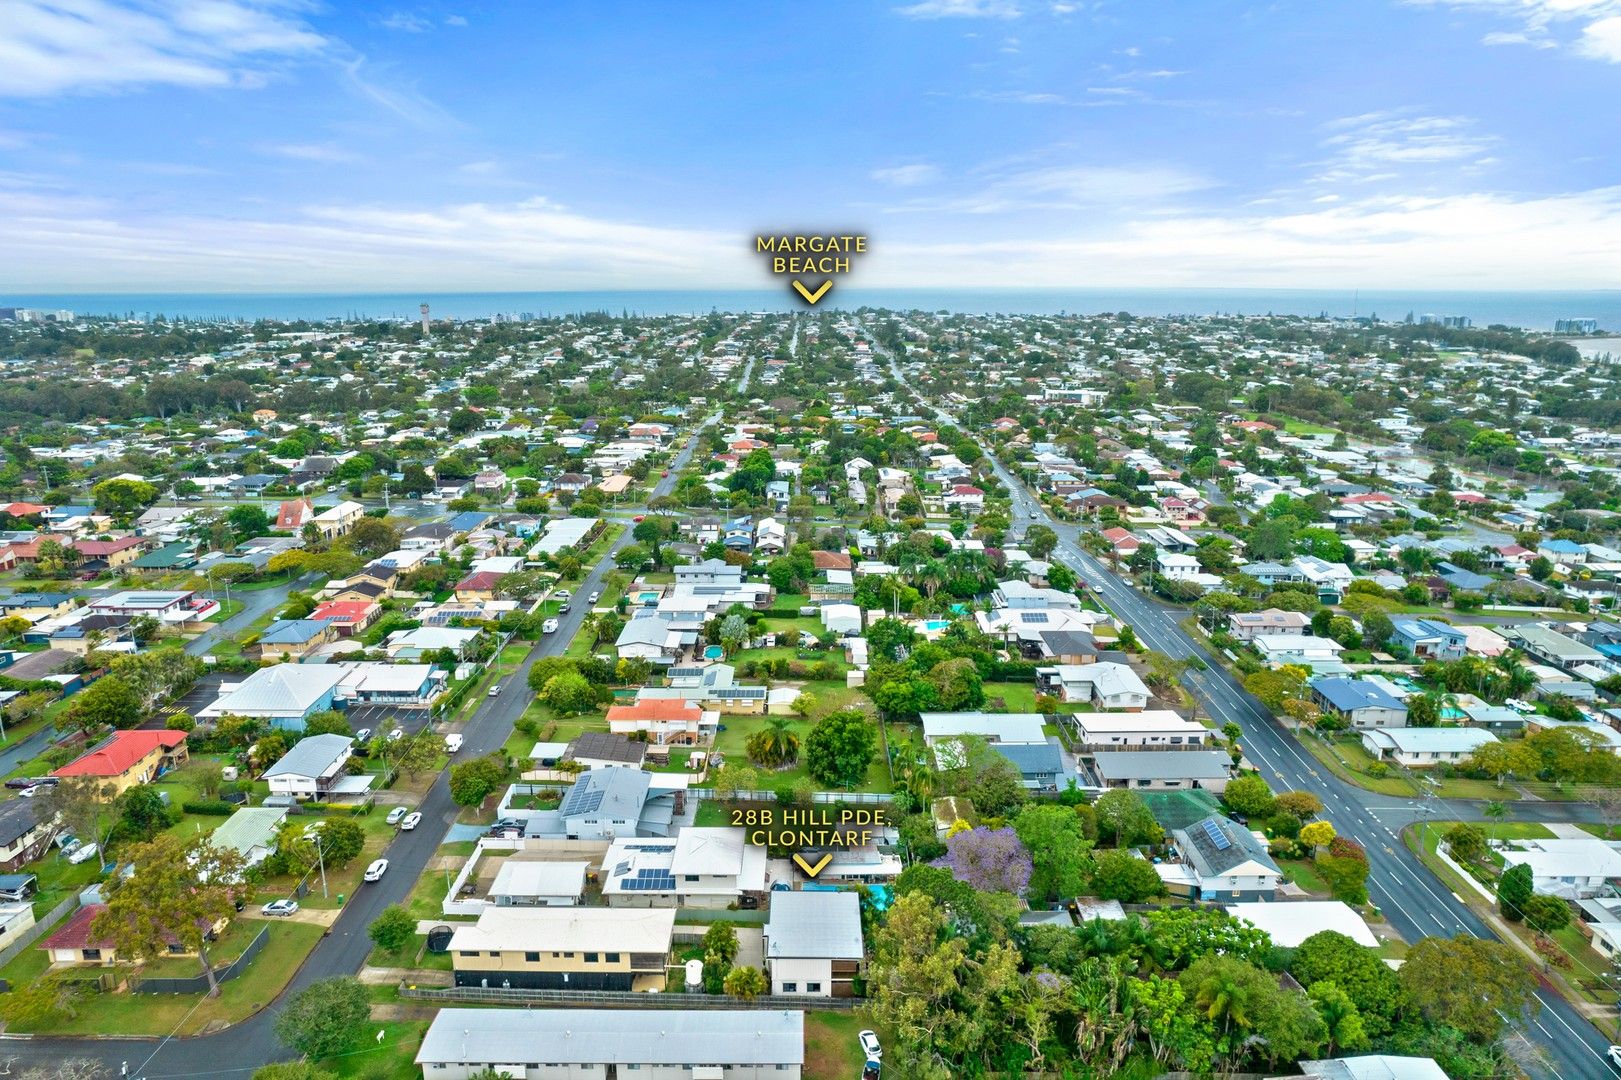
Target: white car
(495,691)
(411,821)
(561,594)
(363,736)
(593,598)
(397,733)
(453,743)
(376,870)
(395,815)
(1615,1056)
(279,907)
(549,626)
(30,791)
(870,1047)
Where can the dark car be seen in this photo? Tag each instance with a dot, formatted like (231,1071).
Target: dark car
(19,782)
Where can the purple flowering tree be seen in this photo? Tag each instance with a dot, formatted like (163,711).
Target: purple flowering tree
(991,860)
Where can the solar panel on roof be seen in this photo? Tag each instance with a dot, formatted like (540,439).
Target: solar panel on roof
(1217,837)
(1035,618)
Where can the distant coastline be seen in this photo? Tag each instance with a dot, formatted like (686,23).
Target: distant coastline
(1531,310)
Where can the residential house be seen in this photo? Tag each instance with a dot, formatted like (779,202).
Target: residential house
(698,868)
(293,514)
(347,617)
(1218,859)
(1419,748)
(338,520)
(1569,868)
(1360,704)
(605,750)
(316,768)
(1551,647)
(251,832)
(1429,639)
(1373,1067)
(651,637)
(691,1044)
(524,883)
(25,832)
(1306,649)
(1018,737)
(1176,567)
(1157,770)
(294,639)
(813,943)
(1248,625)
(128,758)
(479,585)
(16,919)
(285,695)
(1152,727)
(564,948)
(1106,684)
(668,722)
(1331,579)
(711,686)
(75,944)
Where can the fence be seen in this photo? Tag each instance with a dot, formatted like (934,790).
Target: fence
(854,798)
(39,929)
(620,999)
(198,983)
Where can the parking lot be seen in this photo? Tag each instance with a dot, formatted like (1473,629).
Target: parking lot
(386,718)
(198,698)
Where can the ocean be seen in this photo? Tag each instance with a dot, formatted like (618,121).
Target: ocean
(1532,310)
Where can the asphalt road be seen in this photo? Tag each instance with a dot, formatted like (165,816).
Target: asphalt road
(246,1046)
(1412,899)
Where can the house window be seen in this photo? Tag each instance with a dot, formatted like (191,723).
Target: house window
(790,988)
(612,958)
(532,957)
(813,988)
(91,954)
(495,952)
(590,957)
(469,952)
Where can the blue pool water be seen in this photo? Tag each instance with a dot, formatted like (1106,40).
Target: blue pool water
(714,652)
(936,624)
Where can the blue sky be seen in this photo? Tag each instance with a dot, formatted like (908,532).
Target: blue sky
(248,145)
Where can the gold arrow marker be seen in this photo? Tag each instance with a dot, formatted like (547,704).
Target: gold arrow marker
(811,298)
(821,864)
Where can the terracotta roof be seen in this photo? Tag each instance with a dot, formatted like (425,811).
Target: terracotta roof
(655,709)
(342,610)
(293,514)
(484,579)
(120,753)
(832,560)
(75,933)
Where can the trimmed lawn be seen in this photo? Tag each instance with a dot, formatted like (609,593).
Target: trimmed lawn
(831,1049)
(738,728)
(1304,874)
(392,1058)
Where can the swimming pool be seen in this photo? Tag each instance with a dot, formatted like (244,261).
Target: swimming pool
(936,625)
(713,652)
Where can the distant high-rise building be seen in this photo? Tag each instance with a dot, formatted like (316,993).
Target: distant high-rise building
(1429,320)
(1451,322)
(424,310)
(1575,326)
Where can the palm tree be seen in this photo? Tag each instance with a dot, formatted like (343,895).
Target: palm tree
(1517,676)
(781,741)
(1496,810)
(1224,1000)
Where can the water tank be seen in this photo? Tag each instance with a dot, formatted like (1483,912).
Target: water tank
(695,975)
(228,773)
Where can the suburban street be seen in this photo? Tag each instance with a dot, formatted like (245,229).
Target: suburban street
(246,1046)
(1410,897)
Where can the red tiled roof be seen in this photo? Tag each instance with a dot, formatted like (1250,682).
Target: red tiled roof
(75,933)
(293,513)
(121,753)
(94,548)
(655,709)
(831,560)
(484,579)
(25,509)
(966,489)
(343,610)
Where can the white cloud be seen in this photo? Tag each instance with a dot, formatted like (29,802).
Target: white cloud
(322,152)
(455,20)
(961,9)
(1601,40)
(1063,187)
(406,22)
(907,175)
(65,46)
(1368,146)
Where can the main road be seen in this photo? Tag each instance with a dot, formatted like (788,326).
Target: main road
(253,1042)
(1411,898)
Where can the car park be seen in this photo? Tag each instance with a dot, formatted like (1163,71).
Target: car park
(396,814)
(376,870)
(549,626)
(412,820)
(281,908)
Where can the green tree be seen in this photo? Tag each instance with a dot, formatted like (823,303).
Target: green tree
(248,521)
(1514,890)
(1124,819)
(1468,983)
(1249,795)
(1340,1015)
(840,747)
(180,890)
(1358,971)
(1121,875)
(123,497)
(1423,710)
(1040,540)
(1466,841)
(472,781)
(720,941)
(327,722)
(110,701)
(569,693)
(1059,849)
(393,929)
(325,1018)
(1545,914)
(747,983)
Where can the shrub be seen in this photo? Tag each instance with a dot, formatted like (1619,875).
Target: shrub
(209,809)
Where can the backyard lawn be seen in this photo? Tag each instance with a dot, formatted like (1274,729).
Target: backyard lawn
(832,1051)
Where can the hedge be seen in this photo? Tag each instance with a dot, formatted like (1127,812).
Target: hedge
(334,808)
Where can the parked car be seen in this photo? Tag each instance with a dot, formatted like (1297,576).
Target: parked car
(498,833)
(363,736)
(871,1070)
(17,782)
(870,1047)
(396,814)
(549,626)
(565,608)
(562,594)
(397,733)
(594,597)
(83,853)
(279,908)
(453,743)
(376,870)
(1615,1056)
(30,791)
(495,691)
(412,820)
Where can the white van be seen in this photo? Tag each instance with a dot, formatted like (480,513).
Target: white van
(453,743)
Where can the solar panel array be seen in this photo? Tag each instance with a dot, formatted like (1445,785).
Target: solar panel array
(1034,618)
(661,848)
(650,880)
(1217,837)
(581,801)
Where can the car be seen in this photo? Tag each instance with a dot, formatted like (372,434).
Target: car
(18,782)
(638,518)
(279,908)
(748,902)
(376,870)
(549,626)
(564,609)
(562,594)
(397,733)
(1615,1056)
(870,1047)
(363,735)
(47,781)
(30,791)
(412,820)
(871,1070)
(509,823)
(396,814)
(666,472)
(594,597)
(505,834)
(453,743)
(495,691)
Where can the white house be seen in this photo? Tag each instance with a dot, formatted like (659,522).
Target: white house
(1308,649)
(314,768)
(699,868)
(1419,748)
(1573,869)
(813,943)
(1105,684)
(1151,727)
(1169,564)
